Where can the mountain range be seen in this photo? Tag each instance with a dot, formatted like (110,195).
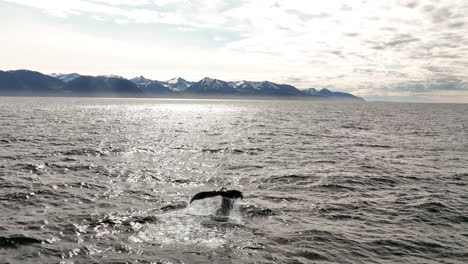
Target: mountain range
(25,82)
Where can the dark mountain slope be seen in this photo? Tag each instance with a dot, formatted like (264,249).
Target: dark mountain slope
(28,82)
(102,85)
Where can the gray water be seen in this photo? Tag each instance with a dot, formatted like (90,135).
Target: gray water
(109,180)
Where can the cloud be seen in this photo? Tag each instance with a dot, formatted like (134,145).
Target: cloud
(448,89)
(135,12)
(123,2)
(410,3)
(398,42)
(449,83)
(443,14)
(457,24)
(359,46)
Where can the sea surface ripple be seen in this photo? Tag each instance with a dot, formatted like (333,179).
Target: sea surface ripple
(108,181)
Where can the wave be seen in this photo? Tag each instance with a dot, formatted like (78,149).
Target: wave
(253,211)
(248,151)
(54,167)
(357,127)
(91,151)
(405,246)
(334,186)
(241,167)
(372,146)
(15,241)
(432,206)
(289,178)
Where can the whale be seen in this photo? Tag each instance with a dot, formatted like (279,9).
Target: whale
(227,199)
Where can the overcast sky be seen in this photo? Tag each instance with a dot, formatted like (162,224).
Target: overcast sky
(396,50)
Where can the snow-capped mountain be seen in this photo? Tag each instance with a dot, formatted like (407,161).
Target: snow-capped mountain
(246,87)
(310,91)
(140,80)
(266,88)
(211,86)
(65,77)
(177,84)
(172,85)
(23,82)
(150,86)
(111,76)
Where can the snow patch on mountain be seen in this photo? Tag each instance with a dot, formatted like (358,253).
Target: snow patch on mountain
(140,80)
(65,77)
(310,91)
(111,76)
(177,84)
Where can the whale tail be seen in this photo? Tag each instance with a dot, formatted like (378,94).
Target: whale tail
(231,194)
(227,202)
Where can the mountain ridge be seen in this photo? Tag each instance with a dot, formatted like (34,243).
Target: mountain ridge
(23,82)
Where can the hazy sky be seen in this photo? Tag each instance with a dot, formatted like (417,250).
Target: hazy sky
(383,50)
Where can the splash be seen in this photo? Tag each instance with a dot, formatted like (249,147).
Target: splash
(194,226)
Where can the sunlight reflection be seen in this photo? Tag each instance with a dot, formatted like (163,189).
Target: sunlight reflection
(195,106)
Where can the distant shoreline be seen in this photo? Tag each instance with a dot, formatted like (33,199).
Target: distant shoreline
(183,97)
(31,83)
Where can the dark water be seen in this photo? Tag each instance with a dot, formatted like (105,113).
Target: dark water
(108,180)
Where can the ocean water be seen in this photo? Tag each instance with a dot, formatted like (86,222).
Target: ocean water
(109,180)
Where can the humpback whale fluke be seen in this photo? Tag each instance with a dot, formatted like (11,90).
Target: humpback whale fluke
(227,202)
(231,194)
